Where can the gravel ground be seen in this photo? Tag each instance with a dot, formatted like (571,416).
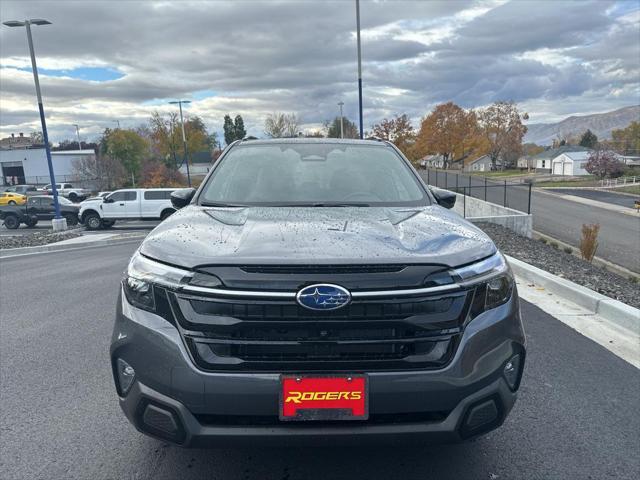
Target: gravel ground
(37,238)
(563,264)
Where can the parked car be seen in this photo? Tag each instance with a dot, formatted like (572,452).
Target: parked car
(23,189)
(99,197)
(316,291)
(39,207)
(127,204)
(12,198)
(69,191)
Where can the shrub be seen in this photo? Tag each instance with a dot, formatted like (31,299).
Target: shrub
(589,241)
(568,250)
(543,240)
(554,245)
(634,279)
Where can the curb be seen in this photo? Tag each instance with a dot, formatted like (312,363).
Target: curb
(56,247)
(612,310)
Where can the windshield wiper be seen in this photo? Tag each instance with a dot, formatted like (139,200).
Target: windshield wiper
(222,205)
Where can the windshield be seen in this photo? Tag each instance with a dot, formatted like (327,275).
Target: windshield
(65,201)
(308,174)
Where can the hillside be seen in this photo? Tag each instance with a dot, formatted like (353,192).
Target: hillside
(600,123)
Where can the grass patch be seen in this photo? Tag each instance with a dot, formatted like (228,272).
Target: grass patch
(500,173)
(583,182)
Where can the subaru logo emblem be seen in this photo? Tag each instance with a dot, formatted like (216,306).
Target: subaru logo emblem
(323,296)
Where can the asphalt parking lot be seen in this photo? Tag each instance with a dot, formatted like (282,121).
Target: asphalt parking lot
(577,416)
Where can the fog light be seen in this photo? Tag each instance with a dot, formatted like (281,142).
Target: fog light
(512,372)
(126,375)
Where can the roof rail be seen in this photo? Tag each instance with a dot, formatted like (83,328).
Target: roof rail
(249,137)
(373,137)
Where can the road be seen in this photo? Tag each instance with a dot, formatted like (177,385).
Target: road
(619,237)
(577,416)
(600,195)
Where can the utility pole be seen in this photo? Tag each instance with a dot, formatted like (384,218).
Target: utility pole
(118,123)
(340,104)
(78,134)
(359,67)
(184,138)
(58,222)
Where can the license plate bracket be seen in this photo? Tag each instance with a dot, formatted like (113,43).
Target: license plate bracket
(324,397)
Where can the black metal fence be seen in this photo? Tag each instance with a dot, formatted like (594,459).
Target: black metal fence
(501,192)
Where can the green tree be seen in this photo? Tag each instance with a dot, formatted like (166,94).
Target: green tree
(238,127)
(626,141)
(588,139)
(333,128)
(229,130)
(127,147)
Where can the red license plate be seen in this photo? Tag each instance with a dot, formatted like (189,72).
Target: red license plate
(329,397)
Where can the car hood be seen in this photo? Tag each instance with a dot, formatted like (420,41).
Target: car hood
(196,236)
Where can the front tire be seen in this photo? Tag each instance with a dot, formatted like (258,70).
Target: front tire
(11,222)
(72,221)
(93,221)
(73,197)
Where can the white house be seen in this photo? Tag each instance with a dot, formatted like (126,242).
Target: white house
(481,164)
(544,160)
(432,161)
(570,163)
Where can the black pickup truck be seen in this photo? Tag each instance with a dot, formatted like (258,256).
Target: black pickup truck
(39,207)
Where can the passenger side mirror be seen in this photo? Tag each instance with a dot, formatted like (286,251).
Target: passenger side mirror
(444,198)
(182,197)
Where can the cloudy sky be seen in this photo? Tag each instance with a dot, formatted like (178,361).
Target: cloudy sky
(103,61)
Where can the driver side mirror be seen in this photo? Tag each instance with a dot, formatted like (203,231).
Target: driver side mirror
(182,197)
(108,200)
(444,198)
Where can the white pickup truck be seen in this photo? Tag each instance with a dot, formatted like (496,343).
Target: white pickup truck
(127,204)
(74,194)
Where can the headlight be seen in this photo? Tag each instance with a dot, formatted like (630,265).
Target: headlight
(144,276)
(493,279)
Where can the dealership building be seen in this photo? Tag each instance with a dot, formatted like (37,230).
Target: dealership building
(29,165)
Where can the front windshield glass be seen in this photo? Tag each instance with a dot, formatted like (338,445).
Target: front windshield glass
(65,201)
(313,174)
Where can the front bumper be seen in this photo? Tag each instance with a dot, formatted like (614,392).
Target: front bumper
(173,400)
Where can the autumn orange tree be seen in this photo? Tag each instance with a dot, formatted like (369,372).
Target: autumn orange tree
(450,131)
(502,129)
(397,130)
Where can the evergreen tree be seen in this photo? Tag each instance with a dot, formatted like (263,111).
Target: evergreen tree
(589,139)
(229,130)
(240,131)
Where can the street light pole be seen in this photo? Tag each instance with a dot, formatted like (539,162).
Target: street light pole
(359,67)
(184,138)
(59,222)
(78,134)
(340,104)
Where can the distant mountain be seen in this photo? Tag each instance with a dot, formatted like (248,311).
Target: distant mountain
(600,123)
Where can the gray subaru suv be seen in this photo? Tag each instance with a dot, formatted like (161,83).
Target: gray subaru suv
(316,291)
